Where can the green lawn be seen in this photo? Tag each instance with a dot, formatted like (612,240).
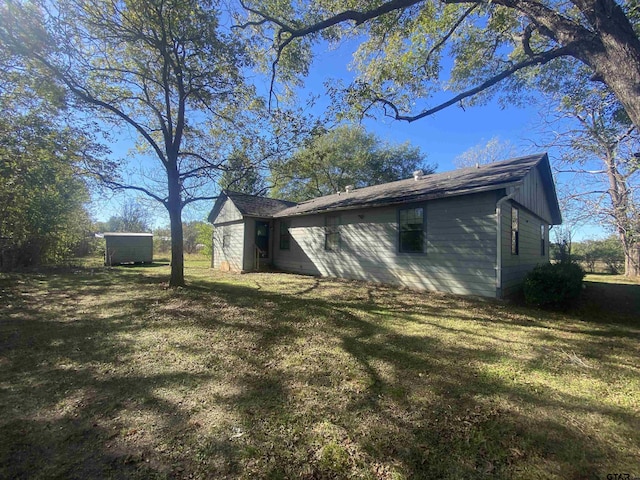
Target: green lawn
(106,373)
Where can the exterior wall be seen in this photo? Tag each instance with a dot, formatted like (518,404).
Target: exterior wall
(231,224)
(228,213)
(228,257)
(532,196)
(516,267)
(460,247)
(124,248)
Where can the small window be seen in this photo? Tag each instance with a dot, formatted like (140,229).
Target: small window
(411,228)
(285,235)
(226,238)
(543,245)
(515,233)
(332,234)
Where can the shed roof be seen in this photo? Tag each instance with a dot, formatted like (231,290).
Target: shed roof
(126,234)
(250,205)
(493,176)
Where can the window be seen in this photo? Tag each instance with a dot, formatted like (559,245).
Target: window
(332,234)
(515,234)
(285,235)
(226,238)
(543,250)
(411,228)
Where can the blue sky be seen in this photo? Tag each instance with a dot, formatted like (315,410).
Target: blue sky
(440,137)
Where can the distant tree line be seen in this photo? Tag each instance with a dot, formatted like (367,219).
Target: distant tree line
(595,256)
(133,218)
(197,238)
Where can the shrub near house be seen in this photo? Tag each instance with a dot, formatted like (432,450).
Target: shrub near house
(553,284)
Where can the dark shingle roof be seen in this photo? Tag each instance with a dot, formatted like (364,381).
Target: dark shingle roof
(493,176)
(488,177)
(250,205)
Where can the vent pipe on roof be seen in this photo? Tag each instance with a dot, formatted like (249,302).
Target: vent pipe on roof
(418,174)
(349,188)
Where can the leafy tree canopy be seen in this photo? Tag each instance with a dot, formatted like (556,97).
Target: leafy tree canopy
(169,70)
(404,46)
(596,254)
(347,155)
(242,174)
(42,197)
(133,217)
(44,158)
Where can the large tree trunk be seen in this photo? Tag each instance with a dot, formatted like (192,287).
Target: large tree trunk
(608,45)
(619,68)
(615,57)
(174,206)
(632,261)
(177,250)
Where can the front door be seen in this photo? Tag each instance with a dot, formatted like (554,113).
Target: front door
(262,238)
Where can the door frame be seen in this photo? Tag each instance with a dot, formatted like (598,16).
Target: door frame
(267,223)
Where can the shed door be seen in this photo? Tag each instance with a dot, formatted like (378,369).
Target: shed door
(262,238)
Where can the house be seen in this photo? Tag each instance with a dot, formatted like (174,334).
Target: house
(474,231)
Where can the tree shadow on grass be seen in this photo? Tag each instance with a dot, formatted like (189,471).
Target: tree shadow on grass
(279,385)
(464,433)
(70,393)
(426,405)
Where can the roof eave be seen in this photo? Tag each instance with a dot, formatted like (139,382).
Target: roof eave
(550,188)
(217,206)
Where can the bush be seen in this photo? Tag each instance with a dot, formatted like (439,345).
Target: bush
(553,285)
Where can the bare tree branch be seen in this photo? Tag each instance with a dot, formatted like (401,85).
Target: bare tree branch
(526,38)
(451,31)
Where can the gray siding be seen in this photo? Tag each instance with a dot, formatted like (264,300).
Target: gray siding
(229,257)
(228,213)
(231,224)
(249,243)
(532,196)
(516,267)
(460,247)
(124,248)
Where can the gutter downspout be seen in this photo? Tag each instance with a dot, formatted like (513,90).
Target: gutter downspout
(499,240)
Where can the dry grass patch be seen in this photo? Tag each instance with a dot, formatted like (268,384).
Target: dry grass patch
(107,373)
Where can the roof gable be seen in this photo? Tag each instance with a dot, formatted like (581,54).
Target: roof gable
(248,205)
(544,168)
